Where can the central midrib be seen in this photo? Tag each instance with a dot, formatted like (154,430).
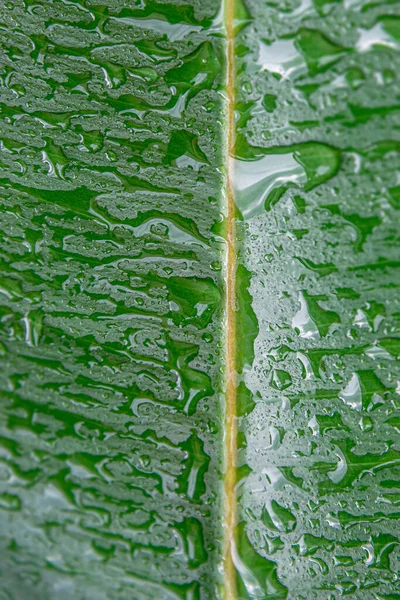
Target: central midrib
(230,408)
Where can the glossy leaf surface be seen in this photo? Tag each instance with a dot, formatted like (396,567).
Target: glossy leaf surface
(111,295)
(113,277)
(317,154)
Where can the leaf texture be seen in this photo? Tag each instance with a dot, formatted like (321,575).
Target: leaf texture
(317,155)
(137,139)
(111,300)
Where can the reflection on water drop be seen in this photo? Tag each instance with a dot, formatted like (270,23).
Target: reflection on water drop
(373,37)
(282,57)
(306,364)
(250,582)
(340,472)
(303,322)
(360,319)
(254,180)
(376,352)
(314,425)
(333,521)
(352,394)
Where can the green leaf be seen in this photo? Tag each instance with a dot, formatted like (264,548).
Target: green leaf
(199,313)
(321,254)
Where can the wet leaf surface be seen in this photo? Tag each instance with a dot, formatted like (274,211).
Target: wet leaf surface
(113,327)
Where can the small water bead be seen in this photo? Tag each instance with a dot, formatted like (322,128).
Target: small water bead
(216,265)
(207,337)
